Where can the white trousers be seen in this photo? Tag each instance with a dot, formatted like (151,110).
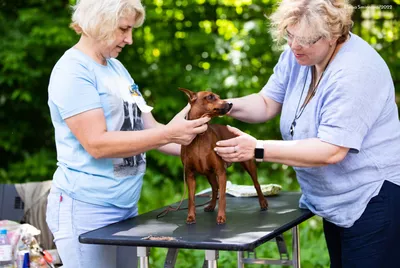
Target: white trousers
(67,218)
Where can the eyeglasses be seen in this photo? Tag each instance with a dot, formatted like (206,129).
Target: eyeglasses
(302,41)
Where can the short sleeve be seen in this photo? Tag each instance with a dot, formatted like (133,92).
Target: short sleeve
(73,90)
(277,83)
(351,105)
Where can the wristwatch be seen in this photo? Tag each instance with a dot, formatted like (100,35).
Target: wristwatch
(259,151)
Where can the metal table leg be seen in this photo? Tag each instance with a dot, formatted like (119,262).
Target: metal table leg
(143,255)
(211,258)
(296,247)
(240,257)
(284,256)
(171,258)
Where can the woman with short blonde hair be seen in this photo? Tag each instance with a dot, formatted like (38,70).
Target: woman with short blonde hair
(316,18)
(340,127)
(103,128)
(99,18)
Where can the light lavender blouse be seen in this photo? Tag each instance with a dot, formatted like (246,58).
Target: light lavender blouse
(354,107)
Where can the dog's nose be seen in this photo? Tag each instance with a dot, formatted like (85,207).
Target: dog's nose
(230,105)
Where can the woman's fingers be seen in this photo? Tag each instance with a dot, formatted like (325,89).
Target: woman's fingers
(227,146)
(232,157)
(229,150)
(183,131)
(235,131)
(237,149)
(199,122)
(227,143)
(183,113)
(199,125)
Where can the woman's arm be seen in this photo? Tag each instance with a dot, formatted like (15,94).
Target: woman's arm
(91,131)
(303,153)
(254,108)
(300,153)
(170,148)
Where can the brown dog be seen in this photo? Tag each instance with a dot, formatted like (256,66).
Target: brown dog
(200,157)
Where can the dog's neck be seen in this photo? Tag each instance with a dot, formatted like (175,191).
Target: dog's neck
(192,115)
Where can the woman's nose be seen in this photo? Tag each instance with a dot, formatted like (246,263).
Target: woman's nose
(128,39)
(295,44)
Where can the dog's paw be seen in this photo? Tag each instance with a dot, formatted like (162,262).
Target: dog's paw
(221,220)
(190,220)
(209,208)
(264,204)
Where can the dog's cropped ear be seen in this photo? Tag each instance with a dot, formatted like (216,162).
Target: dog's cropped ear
(191,95)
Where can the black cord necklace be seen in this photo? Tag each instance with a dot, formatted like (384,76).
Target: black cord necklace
(297,116)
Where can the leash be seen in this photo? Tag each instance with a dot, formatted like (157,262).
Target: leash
(171,208)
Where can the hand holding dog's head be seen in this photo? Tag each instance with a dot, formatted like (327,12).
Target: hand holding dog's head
(205,103)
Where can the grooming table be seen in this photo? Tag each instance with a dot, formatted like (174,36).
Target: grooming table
(247,228)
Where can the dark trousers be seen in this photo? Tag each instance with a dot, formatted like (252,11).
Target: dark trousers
(374,240)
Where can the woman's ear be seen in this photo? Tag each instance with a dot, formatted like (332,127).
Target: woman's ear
(333,41)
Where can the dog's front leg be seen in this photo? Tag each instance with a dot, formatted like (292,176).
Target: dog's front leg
(212,179)
(221,218)
(191,183)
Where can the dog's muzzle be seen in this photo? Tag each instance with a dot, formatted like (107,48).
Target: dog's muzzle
(230,104)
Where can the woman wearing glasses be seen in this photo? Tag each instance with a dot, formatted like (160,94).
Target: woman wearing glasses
(340,129)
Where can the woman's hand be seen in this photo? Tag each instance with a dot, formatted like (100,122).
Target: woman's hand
(237,149)
(182,131)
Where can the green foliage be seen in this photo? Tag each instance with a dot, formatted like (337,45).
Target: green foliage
(221,45)
(34,36)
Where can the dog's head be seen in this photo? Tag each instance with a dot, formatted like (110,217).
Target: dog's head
(206,103)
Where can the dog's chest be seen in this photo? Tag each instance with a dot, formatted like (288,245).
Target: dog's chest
(200,154)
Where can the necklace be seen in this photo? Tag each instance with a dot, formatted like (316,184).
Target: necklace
(308,99)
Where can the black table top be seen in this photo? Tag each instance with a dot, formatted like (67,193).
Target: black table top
(246,226)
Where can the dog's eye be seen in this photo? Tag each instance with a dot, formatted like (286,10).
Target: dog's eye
(210,97)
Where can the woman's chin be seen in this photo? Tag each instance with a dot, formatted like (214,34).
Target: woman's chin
(114,54)
(303,62)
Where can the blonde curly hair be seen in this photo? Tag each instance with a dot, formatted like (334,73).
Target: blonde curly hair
(314,18)
(99,18)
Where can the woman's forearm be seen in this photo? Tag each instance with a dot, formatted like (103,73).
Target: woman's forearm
(254,108)
(116,144)
(303,153)
(171,148)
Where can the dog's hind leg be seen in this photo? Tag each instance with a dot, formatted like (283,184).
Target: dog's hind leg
(212,179)
(251,168)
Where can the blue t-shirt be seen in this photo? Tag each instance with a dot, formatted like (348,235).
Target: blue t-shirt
(354,107)
(78,84)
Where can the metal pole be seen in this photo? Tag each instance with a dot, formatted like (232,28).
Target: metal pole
(211,258)
(170,260)
(240,256)
(143,255)
(296,247)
